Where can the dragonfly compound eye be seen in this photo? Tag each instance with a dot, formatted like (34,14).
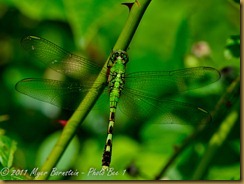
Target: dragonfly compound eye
(124,56)
(113,57)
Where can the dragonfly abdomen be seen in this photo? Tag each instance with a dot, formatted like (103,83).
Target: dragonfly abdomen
(114,97)
(108,146)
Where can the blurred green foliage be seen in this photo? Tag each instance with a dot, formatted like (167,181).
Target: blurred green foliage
(170,36)
(9,147)
(233,46)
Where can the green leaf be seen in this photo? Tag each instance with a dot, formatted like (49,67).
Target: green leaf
(231,172)
(232,48)
(87,18)
(7,150)
(40,10)
(181,44)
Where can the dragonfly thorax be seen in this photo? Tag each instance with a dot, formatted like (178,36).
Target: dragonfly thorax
(116,68)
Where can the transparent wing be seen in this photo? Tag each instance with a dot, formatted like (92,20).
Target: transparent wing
(168,83)
(58,59)
(67,95)
(141,107)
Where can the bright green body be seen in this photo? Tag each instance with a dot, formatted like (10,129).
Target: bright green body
(116,68)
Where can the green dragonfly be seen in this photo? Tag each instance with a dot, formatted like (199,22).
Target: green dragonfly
(146,92)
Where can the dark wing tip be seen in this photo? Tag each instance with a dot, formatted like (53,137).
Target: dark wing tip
(208,115)
(26,42)
(217,72)
(18,85)
(30,37)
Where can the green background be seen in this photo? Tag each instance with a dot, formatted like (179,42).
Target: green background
(164,40)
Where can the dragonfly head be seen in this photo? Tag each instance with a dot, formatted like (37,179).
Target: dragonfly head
(118,55)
